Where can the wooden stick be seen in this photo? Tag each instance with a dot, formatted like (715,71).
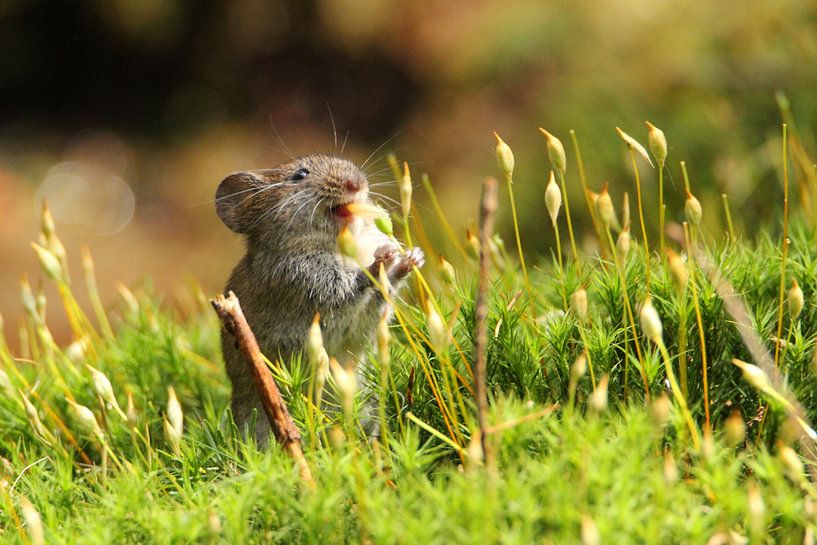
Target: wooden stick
(486,226)
(283,427)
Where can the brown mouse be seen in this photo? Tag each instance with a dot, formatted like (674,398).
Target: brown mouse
(290,217)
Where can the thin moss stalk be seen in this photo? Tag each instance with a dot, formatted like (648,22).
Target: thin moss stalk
(679,398)
(583,179)
(641,219)
(693,287)
(93,293)
(629,314)
(728,215)
(662,209)
(441,217)
(658,146)
(681,275)
(505,159)
(569,220)
(694,224)
(785,248)
(553,203)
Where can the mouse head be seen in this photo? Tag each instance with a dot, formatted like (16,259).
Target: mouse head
(307,193)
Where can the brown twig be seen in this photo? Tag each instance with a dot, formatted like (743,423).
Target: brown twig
(486,226)
(410,388)
(283,427)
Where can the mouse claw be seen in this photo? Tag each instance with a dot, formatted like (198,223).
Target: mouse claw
(413,257)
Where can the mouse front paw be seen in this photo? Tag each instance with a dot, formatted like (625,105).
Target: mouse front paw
(387,255)
(413,257)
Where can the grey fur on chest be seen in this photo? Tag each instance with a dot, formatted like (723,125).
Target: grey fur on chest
(280,298)
(281,324)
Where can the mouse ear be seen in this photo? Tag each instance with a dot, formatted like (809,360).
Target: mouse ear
(234,200)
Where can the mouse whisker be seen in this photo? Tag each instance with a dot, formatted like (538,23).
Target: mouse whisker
(378,184)
(260,218)
(334,127)
(317,204)
(224,197)
(255,192)
(345,139)
(306,202)
(295,214)
(380,174)
(284,147)
(384,168)
(286,203)
(380,160)
(381,146)
(230,195)
(277,209)
(391,201)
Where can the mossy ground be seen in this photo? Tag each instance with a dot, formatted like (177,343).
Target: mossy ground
(566,470)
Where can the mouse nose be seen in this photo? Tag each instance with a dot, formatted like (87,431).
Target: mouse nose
(355,182)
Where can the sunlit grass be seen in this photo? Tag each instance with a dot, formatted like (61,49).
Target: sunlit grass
(616,410)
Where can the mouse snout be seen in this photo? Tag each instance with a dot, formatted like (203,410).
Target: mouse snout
(355,183)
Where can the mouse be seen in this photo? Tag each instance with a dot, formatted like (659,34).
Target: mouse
(290,217)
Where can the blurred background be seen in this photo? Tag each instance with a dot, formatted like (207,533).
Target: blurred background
(126,114)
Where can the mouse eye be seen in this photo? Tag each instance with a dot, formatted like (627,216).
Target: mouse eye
(299,174)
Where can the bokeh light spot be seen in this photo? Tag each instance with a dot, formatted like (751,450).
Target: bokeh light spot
(82,194)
